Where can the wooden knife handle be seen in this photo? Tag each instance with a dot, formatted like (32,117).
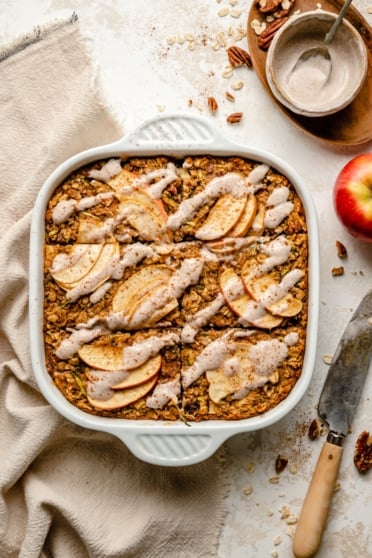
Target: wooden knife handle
(313,518)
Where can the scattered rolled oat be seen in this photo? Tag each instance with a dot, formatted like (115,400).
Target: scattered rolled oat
(258,26)
(171,40)
(337,486)
(292,519)
(270,513)
(284,512)
(294,469)
(227,73)
(223,12)
(248,490)
(235,13)
(341,249)
(291,531)
(275,554)
(369,10)
(229,96)
(327,359)
(237,85)
(336,271)
(250,468)
(277,540)
(274,480)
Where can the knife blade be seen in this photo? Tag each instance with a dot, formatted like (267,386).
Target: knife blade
(337,405)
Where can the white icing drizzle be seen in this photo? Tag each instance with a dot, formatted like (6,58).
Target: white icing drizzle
(133,254)
(291,338)
(230,183)
(63,261)
(65,208)
(167,176)
(101,382)
(210,358)
(100,292)
(188,274)
(277,196)
(258,174)
(201,318)
(109,169)
(278,251)
(93,280)
(279,290)
(275,215)
(79,337)
(164,392)
(137,354)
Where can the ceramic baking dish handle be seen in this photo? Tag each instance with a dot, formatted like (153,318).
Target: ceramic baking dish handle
(175,133)
(171,449)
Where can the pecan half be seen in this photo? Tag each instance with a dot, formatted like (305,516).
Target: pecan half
(268,6)
(280,464)
(363,452)
(341,250)
(234,117)
(314,429)
(212,104)
(239,57)
(264,40)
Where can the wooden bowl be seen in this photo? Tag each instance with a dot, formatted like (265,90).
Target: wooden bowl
(352,125)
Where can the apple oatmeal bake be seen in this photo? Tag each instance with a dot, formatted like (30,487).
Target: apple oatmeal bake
(175,289)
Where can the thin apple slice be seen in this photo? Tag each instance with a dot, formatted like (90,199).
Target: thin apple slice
(222,217)
(258,287)
(123,379)
(140,196)
(145,314)
(102,269)
(87,256)
(92,231)
(220,385)
(246,219)
(124,397)
(135,283)
(141,374)
(258,224)
(124,179)
(143,219)
(102,357)
(286,307)
(243,305)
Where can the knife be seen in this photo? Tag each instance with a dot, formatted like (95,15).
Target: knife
(337,404)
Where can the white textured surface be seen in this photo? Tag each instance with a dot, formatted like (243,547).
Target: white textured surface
(141,74)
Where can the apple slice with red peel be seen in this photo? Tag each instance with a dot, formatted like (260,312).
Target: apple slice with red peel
(233,290)
(102,357)
(143,316)
(243,305)
(124,397)
(101,270)
(128,292)
(258,287)
(141,374)
(246,219)
(140,196)
(83,258)
(222,217)
(123,379)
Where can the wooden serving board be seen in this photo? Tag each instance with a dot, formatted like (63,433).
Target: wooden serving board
(353,124)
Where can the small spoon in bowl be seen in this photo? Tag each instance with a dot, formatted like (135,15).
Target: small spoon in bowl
(322,51)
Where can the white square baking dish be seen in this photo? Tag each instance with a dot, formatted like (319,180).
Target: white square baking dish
(159,442)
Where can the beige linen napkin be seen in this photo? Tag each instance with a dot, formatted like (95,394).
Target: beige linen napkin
(66,491)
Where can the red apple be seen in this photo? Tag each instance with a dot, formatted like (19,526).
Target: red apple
(352,196)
